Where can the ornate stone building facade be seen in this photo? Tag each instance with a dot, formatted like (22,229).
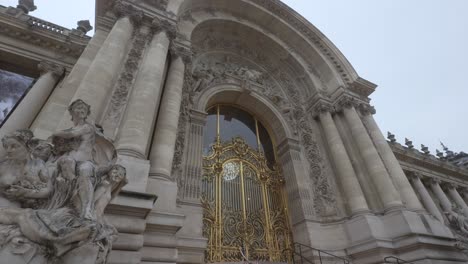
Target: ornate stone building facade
(251,128)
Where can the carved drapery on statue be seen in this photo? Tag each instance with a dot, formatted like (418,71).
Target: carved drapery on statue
(54,192)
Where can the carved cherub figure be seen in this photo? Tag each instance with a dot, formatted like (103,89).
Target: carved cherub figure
(111,182)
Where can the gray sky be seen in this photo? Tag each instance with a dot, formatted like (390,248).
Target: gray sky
(416,51)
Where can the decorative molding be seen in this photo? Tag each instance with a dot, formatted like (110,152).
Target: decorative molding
(159,4)
(306,29)
(207,73)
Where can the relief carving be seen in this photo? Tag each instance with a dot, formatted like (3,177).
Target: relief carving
(281,90)
(53,194)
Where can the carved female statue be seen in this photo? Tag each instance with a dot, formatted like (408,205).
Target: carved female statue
(83,179)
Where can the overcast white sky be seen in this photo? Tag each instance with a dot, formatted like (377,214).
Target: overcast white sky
(416,51)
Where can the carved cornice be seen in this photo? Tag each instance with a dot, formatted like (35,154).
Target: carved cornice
(47,66)
(165,26)
(159,4)
(43,34)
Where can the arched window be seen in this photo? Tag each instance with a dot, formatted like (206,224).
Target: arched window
(228,122)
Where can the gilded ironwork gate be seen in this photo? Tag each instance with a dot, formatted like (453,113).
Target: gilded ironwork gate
(245,211)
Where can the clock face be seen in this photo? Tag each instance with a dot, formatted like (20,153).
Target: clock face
(231,170)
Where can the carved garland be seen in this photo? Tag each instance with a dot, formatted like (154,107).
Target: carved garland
(121,92)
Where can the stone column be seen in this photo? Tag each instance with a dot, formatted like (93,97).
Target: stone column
(425,197)
(24,114)
(441,196)
(456,197)
(344,169)
(391,163)
(164,139)
(98,81)
(377,171)
(57,103)
(165,214)
(137,126)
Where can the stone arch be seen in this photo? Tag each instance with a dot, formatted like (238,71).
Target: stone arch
(318,56)
(286,144)
(254,103)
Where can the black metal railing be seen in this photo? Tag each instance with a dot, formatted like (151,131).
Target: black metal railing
(314,256)
(395,260)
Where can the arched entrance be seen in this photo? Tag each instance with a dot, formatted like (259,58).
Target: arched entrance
(245,212)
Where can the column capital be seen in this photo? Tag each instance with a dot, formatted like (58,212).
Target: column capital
(321,107)
(414,175)
(47,66)
(366,109)
(162,25)
(449,185)
(178,51)
(346,102)
(434,181)
(122,9)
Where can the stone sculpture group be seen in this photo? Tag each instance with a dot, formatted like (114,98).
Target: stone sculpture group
(53,194)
